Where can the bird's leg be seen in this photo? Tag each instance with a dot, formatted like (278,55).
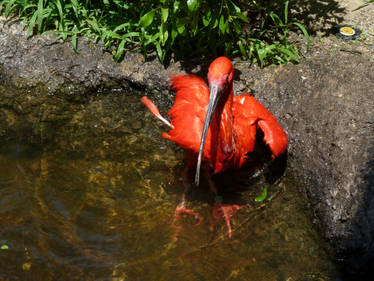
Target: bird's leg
(263,170)
(225,211)
(220,210)
(271,170)
(209,176)
(181,208)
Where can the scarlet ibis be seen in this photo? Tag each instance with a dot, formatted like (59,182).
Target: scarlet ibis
(217,128)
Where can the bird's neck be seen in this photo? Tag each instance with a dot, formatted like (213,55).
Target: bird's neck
(226,124)
(223,122)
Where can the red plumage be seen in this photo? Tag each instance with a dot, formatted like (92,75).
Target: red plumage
(188,116)
(217,128)
(188,112)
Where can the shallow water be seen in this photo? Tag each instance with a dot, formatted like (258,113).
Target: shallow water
(98,204)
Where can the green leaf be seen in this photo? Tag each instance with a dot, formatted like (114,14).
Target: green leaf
(60,12)
(120,50)
(75,5)
(276,19)
(263,196)
(122,27)
(262,51)
(159,52)
(31,25)
(4,247)
(237,28)
(131,34)
(192,5)
(151,39)
(9,8)
(288,53)
(94,25)
(251,54)
(108,34)
(286,12)
(164,14)
(180,26)
(242,49)
(215,19)
(40,15)
(165,37)
(176,6)
(206,18)
(29,6)
(147,19)
(195,25)
(305,32)
(174,34)
(236,8)
(242,17)
(164,34)
(74,42)
(364,5)
(222,24)
(120,4)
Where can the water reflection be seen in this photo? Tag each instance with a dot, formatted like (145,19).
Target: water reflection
(100,207)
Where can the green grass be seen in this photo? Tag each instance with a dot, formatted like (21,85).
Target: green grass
(365,4)
(169,28)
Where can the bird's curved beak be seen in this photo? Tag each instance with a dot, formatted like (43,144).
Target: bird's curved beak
(215,92)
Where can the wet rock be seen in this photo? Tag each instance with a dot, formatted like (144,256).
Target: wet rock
(326,105)
(45,62)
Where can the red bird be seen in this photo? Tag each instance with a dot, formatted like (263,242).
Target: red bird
(217,128)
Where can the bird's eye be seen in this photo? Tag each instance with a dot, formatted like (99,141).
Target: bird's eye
(227,79)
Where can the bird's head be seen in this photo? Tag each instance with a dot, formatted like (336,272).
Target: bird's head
(220,79)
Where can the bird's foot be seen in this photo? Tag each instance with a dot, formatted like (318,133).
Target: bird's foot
(181,209)
(224,211)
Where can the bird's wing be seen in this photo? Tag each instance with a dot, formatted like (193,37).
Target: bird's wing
(188,112)
(249,114)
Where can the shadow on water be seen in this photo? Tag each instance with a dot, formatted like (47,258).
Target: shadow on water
(97,203)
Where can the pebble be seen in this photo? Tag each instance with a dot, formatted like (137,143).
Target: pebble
(26,266)
(137,125)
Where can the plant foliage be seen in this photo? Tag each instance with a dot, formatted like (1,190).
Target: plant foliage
(365,4)
(182,28)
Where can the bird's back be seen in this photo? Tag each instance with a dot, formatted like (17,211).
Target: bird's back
(250,115)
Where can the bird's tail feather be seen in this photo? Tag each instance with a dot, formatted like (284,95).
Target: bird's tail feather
(154,110)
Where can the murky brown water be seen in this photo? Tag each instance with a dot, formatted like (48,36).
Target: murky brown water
(99,206)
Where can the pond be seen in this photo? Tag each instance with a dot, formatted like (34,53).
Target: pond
(96,202)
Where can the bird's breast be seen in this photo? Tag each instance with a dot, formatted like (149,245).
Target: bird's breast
(227,149)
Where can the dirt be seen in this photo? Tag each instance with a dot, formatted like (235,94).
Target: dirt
(362,19)
(325,104)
